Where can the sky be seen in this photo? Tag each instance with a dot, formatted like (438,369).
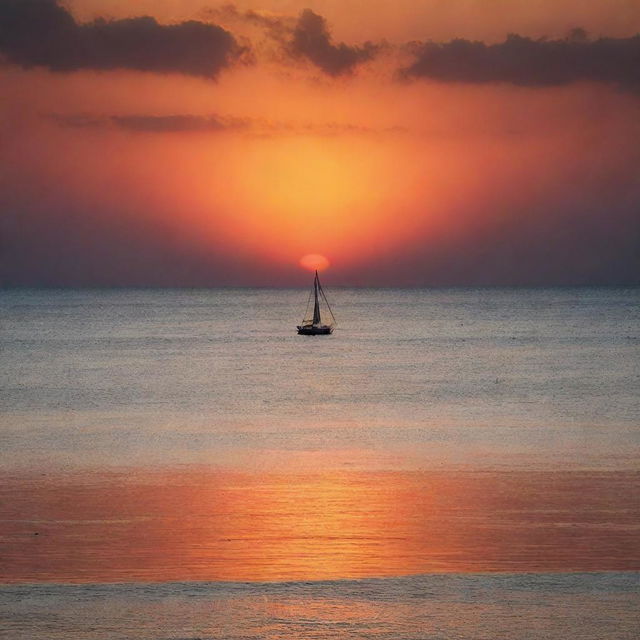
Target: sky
(409,142)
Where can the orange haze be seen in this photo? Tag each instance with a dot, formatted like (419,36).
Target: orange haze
(128,177)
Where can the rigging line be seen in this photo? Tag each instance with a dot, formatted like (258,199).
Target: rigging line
(328,305)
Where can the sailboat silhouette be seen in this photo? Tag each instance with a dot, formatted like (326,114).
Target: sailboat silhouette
(313,324)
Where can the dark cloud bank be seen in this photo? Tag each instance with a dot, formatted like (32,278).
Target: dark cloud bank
(43,33)
(526,62)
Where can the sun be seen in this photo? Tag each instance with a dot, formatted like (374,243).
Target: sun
(314,262)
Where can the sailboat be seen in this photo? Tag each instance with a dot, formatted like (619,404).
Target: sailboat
(314,325)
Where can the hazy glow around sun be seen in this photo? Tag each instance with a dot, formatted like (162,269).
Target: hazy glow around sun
(314,262)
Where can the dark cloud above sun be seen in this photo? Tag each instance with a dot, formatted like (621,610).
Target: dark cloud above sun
(311,39)
(43,33)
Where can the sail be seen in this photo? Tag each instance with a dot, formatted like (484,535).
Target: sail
(316,305)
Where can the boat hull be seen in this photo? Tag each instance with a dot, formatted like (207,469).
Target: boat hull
(310,330)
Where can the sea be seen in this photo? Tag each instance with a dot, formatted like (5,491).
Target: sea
(450,464)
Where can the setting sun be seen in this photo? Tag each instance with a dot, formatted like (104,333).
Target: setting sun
(314,262)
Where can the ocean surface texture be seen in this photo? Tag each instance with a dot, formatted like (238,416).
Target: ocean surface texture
(449,464)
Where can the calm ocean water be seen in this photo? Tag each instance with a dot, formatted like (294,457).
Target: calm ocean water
(409,379)
(242,481)
(445,607)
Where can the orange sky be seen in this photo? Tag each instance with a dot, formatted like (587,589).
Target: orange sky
(402,20)
(111,175)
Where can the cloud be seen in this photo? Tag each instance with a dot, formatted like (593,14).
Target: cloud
(171,124)
(175,123)
(305,37)
(311,39)
(43,33)
(277,26)
(189,123)
(526,62)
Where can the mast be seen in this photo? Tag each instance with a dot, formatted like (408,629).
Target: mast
(316,304)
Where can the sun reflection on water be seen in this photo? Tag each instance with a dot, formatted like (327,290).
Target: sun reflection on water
(204,525)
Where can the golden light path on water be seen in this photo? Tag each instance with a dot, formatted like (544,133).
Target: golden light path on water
(204,525)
